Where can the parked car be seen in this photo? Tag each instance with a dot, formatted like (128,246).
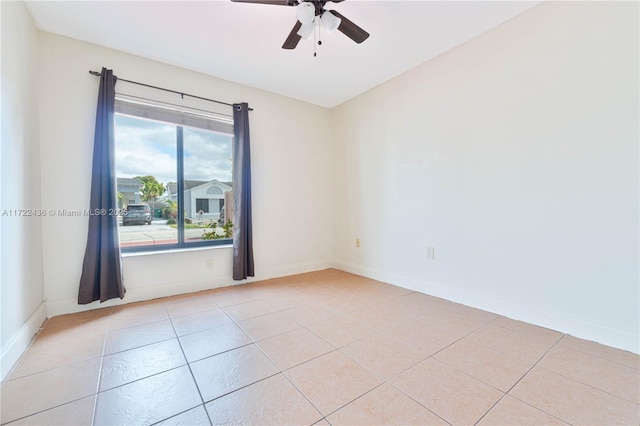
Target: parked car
(137,213)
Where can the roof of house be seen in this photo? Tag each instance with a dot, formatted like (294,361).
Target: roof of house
(172,187)
(128,181)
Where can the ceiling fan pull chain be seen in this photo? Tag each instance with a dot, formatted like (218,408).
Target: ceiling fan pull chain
(315,53)
(316,31)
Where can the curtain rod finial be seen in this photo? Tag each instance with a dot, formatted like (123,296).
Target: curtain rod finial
(96,73)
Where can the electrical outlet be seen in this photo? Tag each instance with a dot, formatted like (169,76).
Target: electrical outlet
(358,242)
(208,264)
(431,253)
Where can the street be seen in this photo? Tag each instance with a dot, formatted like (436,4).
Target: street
(156,233)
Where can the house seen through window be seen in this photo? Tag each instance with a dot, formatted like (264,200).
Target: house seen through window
(173,179)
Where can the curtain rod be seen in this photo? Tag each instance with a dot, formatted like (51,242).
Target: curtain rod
(182,94)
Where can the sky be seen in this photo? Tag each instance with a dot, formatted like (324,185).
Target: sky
(145,147)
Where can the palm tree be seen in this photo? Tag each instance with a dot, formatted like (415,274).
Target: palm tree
(151,189)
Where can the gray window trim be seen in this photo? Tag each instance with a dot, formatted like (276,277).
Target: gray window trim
(176,114)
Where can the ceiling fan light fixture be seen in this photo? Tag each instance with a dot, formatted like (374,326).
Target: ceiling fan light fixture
(330,21)
(306,13)
(305,30)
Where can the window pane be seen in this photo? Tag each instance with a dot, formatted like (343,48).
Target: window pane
(145,167)
(207,177)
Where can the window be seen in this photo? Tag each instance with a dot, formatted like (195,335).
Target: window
(202,205)
(173,170)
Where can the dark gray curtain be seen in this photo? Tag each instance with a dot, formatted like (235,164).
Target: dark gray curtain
(242,227)
(101,270)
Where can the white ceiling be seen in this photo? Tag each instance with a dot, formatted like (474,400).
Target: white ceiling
(242,42)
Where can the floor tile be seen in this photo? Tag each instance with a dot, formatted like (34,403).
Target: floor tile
(76,413)
(452,395)
(318,292)
(200,321)
(423,337)
(125,367)
(332,381)
(268,325)
(191,306)
(390,292)
(402,309)
(455,324)
(139,313)
(431,303)
(148,400)
(601,351)
(195,417)
(472,314)
(316,348)
(213,341)
(50,349)
(294,347)
(229,371)
(511,411)
(608,376)
(498,369)
(74,330)
(140,335)
(384,405)
(234,295)
(273,401)
(289,300)
(379,316)
(249,310)
(312,314)
(535,335)
(421,301)
(508,340)
(341,331)
(574,402)
(187,297)
(347,303)
(96,318)
(383,355)
(32,394)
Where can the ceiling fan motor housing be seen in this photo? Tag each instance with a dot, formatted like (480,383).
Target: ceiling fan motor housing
(306,12)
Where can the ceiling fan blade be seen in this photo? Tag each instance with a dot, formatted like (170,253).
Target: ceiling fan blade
(274,2)
(292,41)
(350,29)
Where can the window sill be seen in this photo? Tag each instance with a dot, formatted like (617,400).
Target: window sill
(174,250)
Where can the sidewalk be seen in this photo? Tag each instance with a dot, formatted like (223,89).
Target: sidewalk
(156,233)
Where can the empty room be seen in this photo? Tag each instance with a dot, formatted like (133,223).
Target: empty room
(320,212)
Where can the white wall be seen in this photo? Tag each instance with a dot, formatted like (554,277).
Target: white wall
(516,157)
(291,154)
(21,310)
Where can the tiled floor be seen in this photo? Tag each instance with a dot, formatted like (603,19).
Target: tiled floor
(319,348)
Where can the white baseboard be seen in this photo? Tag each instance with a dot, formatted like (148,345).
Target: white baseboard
(578,328)
(291,270)
(137,294)
(21,340)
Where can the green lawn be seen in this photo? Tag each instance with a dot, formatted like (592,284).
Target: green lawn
(192,226)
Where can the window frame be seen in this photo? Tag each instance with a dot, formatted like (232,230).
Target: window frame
(180,118)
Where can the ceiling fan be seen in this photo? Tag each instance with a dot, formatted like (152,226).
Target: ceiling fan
(307,10)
